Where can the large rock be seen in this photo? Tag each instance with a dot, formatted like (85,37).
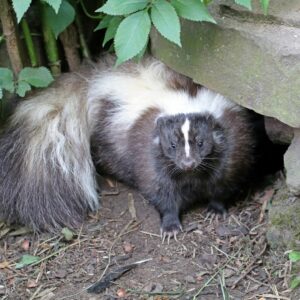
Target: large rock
(292,164)
(255,63)
(287,11)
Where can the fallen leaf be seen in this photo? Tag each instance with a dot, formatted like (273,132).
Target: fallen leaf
(27,260)
(68,234)
(31,284)
(4,265)
(121,293)
(128,248)
(25,245)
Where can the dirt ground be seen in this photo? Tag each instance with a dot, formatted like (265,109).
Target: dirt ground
(214,258)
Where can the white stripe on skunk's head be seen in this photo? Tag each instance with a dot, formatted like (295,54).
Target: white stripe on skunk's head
(189,142)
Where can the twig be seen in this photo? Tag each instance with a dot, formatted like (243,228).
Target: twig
(250,267)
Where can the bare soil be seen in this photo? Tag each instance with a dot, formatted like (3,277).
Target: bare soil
(214,257)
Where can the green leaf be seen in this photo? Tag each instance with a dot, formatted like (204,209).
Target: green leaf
(122,7)
(38,77)
(294,256)
(265,5)
(22,88)
(166,21)
(193,10)
(111,29)
(245,3)
(7,80)
(60,21)
(55,4)
(67,233)
(295,282)
(20,8)
(132,35)
(103,23)
(27,260)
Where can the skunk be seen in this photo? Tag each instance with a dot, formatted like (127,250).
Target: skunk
(175,141)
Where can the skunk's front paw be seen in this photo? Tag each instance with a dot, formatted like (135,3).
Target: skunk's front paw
(170,226)
(217,208)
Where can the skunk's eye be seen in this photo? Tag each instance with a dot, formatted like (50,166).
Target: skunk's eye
(173,145)
(200,143)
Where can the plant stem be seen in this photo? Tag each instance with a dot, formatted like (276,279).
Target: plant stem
(12,38)
(84,47)
(29,43)
(50,43)
(69,40)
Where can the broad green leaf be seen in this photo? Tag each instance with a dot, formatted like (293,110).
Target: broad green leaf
(20,8)
(7,79)
(132,36)
(245,3)
(295,282)
(60,21)
(67,233)
(22,88)
(103,23)
(166,21)
(122,7)
(193,10)
(111,29)
(55,4)
(294,256)
(27,260)
(265,5)
(140,55)
(37,77)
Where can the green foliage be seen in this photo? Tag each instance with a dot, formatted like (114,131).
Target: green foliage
(124,7)
(294,256)
(104,23)
(20,8)
(265,5)
(55,4)
(246,3)
(132,35)
(27,260)
(6,79)
(59,21)
(193,10)
(295,282)
(111,29)
(166,20)
(36,77)
(127,22)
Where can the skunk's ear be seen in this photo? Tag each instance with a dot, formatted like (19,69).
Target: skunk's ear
(218,136)
(160,121)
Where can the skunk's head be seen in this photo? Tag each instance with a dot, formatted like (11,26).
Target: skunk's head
(189,142)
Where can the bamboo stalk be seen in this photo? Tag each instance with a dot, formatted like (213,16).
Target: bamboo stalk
(12,38)
(29,43)
(84,47)
(50,44)
(69,40)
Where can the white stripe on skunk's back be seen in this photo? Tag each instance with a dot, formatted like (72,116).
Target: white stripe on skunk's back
(140,87)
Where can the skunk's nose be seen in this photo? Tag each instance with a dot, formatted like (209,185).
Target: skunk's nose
(188,164)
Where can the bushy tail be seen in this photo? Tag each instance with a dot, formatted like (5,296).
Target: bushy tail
(47,177)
